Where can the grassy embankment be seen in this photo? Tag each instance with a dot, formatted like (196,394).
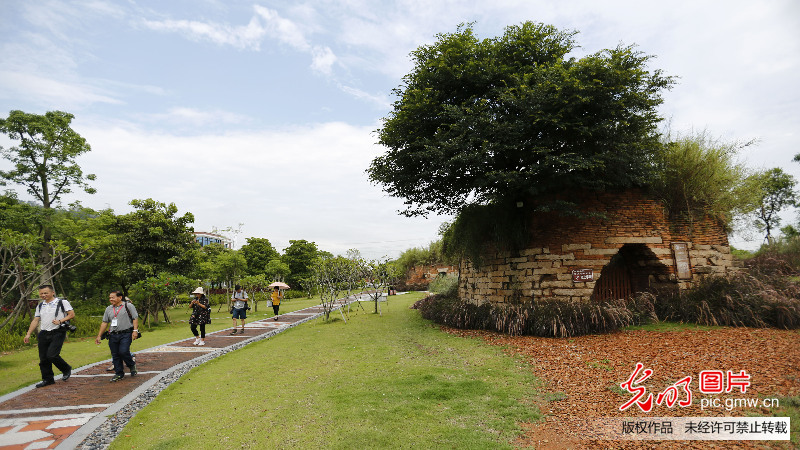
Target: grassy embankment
(375,382)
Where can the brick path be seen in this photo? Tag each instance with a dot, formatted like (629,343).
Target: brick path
(61,416)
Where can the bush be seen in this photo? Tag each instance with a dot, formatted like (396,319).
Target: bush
(292,293)
(11,337)
(444,285)
(218,299)
(548,318)
(780,258)
(740,300)
(767,295)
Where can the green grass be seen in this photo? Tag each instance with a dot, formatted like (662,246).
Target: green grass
(21,368)
(603,364)
(789,407)
(386,381)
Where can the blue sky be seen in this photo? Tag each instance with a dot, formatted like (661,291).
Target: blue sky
(262,113)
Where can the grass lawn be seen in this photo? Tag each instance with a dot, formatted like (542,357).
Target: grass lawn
(374,382)
(21,368)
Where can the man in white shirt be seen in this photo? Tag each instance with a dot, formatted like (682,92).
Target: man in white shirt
(51,314)
(239,310)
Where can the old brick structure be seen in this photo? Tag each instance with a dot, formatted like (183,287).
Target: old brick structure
(636,247)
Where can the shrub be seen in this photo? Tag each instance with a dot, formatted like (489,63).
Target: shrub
(11,337)
(444,285)
(697,174)
(293,293)
(780,258)
(742,300)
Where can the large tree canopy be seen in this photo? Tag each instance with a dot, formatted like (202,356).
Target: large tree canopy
(152,239)
(258,252)
(507,118)
(44,161)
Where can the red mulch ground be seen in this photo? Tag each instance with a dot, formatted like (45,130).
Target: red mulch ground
(579,372)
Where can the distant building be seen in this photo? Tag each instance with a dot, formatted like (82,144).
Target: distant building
(210,238)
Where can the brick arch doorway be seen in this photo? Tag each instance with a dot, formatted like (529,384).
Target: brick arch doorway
(634,268)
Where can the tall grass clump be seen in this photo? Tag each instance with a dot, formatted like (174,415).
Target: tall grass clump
(422,256)
(780,258)
(444,285)
(698,175)
(547,318)
(739,300)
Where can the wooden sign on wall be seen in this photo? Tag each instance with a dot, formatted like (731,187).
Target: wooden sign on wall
(680,251)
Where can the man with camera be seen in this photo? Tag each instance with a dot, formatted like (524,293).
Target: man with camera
(53,314)
(122,322)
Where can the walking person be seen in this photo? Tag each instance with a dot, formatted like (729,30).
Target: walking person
(50,315)
(201,315)
(122,322)
(277,295)
(239,310)
(133,355)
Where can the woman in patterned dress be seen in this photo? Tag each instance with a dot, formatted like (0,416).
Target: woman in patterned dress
(201,315)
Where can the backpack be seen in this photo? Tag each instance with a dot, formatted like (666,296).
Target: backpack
(60,306)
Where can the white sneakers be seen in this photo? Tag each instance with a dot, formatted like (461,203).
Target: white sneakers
(196,341)
(201,343)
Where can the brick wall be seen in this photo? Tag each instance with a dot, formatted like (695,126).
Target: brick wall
(636,231)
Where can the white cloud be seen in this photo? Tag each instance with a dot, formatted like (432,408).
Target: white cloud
(380,100)
(296,183)
(246,37)
(267,23)
(52,93)
(323,60)
(196,118)
(282,29)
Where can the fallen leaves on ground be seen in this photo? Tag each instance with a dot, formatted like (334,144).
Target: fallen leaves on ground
(582,377)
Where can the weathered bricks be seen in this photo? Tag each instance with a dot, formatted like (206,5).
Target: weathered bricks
(635,224)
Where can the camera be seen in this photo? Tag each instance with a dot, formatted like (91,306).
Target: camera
(70,327)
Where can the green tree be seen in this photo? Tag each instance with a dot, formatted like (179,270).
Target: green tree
(156,294)
(776,190)
(84,227)
(21,246)
(300,256)
(152,239)
(422,256)
(513,117)
(258,252)
(277,270)
(206,266)
(44,162)
(231,265)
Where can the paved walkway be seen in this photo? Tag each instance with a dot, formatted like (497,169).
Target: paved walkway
(75,413)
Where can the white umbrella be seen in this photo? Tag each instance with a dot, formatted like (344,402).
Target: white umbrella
(279,284)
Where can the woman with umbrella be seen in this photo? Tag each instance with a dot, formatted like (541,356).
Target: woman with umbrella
(201,315)
(277,295)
